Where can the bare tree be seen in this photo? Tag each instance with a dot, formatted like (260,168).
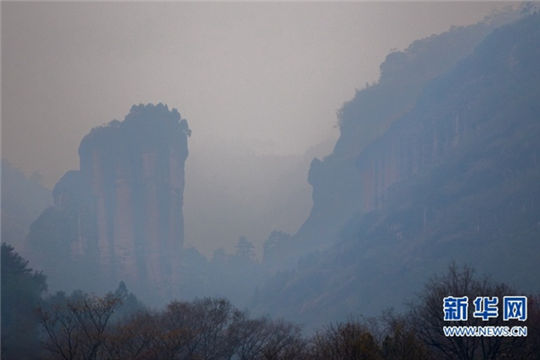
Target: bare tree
(345,341)
(63,336)
(76,328)
(138,338)
(284,341)
(205,329)
(262,338)
(400,341)
(428,320)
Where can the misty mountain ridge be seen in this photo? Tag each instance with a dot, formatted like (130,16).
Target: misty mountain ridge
(404,76)
(428,170)
(436,162)
(362,120)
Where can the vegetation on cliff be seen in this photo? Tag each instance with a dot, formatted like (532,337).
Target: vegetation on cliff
(453,177)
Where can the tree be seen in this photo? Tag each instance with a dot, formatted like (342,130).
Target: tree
(21,294)
(400,341)
(345,341)
(137,337)
(531,348)
(283,341)
(197,330)
(205,329)
(428,320)
(77,327)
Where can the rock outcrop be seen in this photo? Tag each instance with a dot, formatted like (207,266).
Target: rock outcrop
(452,178)
(351,180)
(120,216)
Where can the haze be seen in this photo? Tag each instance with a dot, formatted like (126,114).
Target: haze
(256,81)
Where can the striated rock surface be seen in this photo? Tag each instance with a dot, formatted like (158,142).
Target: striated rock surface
(452,177)
(120,216)
(353,180)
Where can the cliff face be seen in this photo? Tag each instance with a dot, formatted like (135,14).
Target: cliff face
(350,180)
(123,207)
(345,183)
(455,177)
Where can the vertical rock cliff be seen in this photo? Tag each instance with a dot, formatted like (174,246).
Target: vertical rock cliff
(120,216)
(351,180)
(453,178)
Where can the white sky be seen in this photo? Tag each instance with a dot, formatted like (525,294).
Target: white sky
(260,77)
(255,78)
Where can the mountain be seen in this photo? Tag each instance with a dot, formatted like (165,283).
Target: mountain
(23,199)
(438,162)
(119,217)
(335,179)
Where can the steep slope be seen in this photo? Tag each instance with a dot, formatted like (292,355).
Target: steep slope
(366,117)
(120,216)
(336,193)
(455,177)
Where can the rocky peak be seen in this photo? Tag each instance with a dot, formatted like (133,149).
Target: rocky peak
(122,211)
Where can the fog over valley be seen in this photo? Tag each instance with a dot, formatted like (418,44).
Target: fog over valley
(270,181)
(259,80)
